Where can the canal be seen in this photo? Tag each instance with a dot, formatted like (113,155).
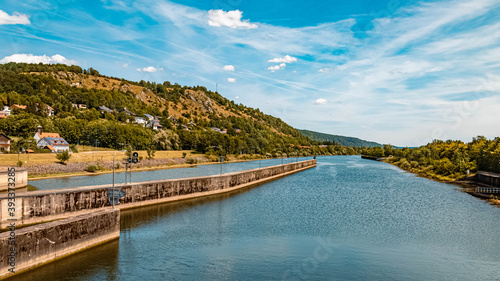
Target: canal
(346,219)
(161,174)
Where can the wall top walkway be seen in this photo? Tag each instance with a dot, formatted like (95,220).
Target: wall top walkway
(106,186)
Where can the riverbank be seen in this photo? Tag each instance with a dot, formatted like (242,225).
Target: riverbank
(467,183)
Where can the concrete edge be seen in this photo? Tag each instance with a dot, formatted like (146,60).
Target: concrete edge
(207,193)
(80,247)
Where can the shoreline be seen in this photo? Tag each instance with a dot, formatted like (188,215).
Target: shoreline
(467,185)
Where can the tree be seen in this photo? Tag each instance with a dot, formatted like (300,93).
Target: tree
(63,156)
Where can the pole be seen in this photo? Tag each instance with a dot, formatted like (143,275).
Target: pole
(113,190)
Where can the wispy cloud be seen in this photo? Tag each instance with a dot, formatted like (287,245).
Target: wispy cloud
(285,59)
(16,18)
(149,69)
(228,68)
(320,101)
(277,67)
(231,80)
(30,58)
(230,19)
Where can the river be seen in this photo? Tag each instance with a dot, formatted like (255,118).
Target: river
(346,219)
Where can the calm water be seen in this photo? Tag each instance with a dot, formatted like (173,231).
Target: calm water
(201,170)
(346,219)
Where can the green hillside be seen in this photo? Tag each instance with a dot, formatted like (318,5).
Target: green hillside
(87,108)
(341,140)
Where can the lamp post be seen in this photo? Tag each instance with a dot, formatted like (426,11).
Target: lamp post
(19,149)
(113,190)
(130,177)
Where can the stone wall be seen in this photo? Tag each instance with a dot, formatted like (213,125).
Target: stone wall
(39,244)
(41,206)
(21,176)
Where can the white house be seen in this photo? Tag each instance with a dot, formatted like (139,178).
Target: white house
(54,144)
(140,121)
(52,141)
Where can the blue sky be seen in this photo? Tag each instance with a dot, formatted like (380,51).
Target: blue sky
(399,72)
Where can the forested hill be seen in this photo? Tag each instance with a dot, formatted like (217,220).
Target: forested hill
(86,107)
(341,140)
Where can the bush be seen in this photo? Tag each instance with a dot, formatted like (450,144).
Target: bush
(73,148)
(19,163)
(63,156)
(91,168)
(184,155)
(191,160)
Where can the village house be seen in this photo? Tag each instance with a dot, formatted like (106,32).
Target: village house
(79,105)
(154,124)
(23,107)
(50,110)
(4,143)
(140,121)
(149,117)
(6,110)
(52,141)
(103,109)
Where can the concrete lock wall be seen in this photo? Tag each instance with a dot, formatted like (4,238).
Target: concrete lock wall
(36,245)
(21,178)
(488,178)
(40,206)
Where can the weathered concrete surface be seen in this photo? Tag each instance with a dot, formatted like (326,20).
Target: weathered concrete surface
(39,244)
(490,179)
(41,206)
(21,178)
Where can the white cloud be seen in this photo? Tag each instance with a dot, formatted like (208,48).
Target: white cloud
(30,58)
(149,69)
(323,70)
(14,19)
(125,65)
(237,97)
(228,68)
(277,67)
(320,101)
(285,59)
(230,19)
(231,80)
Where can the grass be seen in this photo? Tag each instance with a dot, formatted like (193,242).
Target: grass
(103,154)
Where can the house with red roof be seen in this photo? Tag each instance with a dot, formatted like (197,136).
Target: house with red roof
(52,141)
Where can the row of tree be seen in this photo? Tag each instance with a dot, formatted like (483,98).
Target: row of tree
(445,159)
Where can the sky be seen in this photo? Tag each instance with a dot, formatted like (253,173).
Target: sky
(402,72)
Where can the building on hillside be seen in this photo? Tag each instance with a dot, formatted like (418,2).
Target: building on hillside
(154,124)
(40,135)
(141,121)
(4,143)
(54,144)
(50,110)
(52,141)
(6,110)
(79,105)
(23,107)
(103,109)
(149,117)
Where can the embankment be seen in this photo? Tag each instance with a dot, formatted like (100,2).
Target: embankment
(40,206)
(43,243)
